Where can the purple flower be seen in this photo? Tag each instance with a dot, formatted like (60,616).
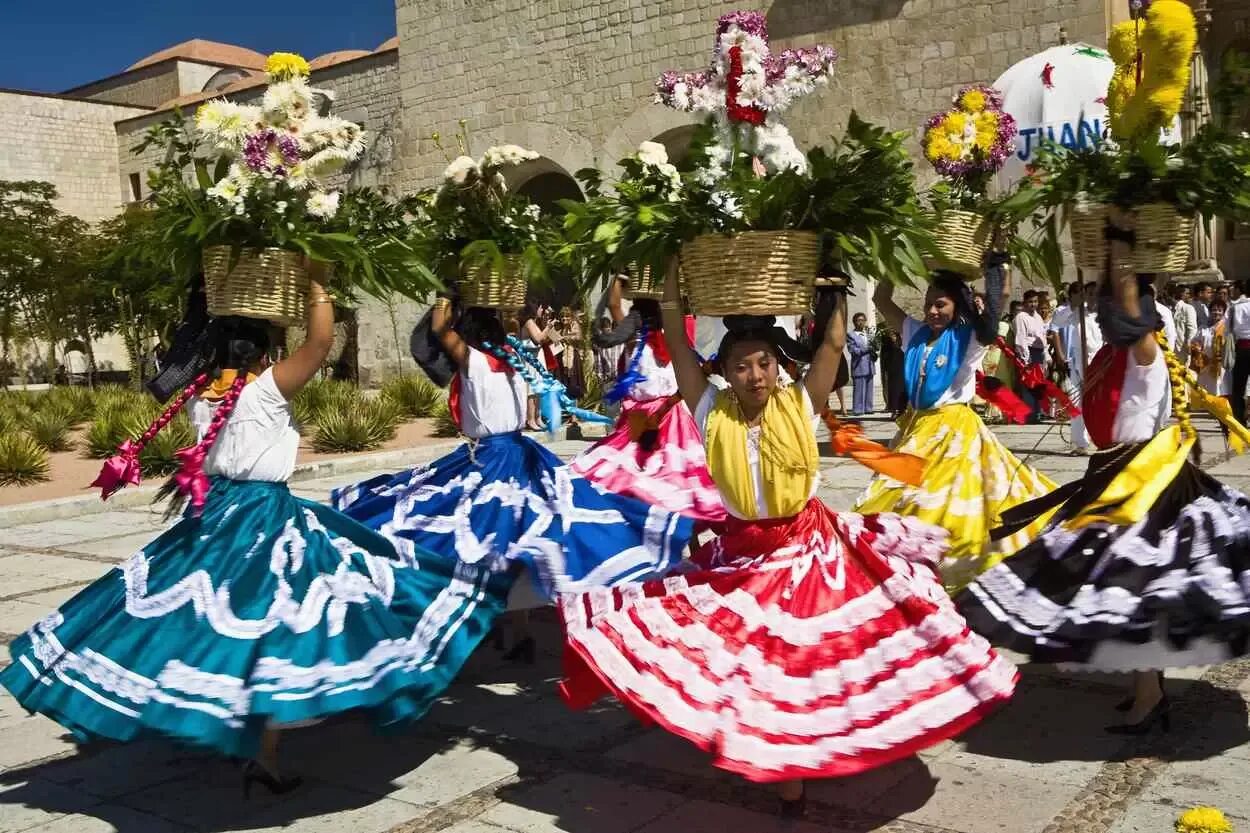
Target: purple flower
(267,151)
(752,23)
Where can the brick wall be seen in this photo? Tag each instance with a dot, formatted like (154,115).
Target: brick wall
(71,144)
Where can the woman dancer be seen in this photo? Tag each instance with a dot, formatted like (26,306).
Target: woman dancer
(809,644)
(655,454)
(972,478)
(501,500)
(1143,566)
(258,608)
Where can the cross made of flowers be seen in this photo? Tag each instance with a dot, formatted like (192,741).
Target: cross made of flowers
(746,88)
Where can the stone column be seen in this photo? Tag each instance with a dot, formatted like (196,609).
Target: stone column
(1195,113)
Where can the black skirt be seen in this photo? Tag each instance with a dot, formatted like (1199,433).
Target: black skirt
(1170,590)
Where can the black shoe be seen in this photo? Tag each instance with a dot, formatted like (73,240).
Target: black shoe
(1126,705)
(276,786)
(794,808)
(524,651)
(1160,714)
(495,638)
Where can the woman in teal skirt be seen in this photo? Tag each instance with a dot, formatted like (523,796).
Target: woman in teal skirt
(258,609)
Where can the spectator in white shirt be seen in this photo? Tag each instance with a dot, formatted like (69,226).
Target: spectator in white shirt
(1186,321)
(1066,326)
(1030,344)
(1238,329)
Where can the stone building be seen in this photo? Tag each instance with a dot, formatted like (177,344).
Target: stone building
(570,80)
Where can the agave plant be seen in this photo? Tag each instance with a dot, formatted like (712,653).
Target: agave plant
(444,425)
(367,424)
(111,398)
(22,460)
(77,404)
(51,429)
(107,431)
(416,395)
(320,396)
(157,457)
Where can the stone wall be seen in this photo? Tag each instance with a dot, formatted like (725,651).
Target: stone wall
(149,86)
(67,142)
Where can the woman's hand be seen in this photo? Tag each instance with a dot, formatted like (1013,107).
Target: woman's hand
(302,365)
(672,282)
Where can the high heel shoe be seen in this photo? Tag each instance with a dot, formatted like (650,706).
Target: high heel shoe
(1126,705)
(793,808)
(1160,714)
(254,772)
(526,651)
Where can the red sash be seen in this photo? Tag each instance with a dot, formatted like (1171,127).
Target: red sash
(1104,382)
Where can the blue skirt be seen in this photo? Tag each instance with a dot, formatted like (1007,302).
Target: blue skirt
(504,500)
(265,610)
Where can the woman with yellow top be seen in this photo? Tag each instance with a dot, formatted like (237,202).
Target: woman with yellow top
(804,643)
(972,478)
(1146,562)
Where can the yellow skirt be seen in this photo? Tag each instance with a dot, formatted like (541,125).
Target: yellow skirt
(970,481)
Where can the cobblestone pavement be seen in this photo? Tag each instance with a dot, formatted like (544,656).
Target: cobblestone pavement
(501,753)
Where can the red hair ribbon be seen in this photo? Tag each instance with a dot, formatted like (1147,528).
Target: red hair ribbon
(1001,397)
(1032,377)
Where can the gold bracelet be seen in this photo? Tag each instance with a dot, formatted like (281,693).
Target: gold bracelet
(318,301)
(442,304)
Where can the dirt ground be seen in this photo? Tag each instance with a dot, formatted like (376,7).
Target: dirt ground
(71,473)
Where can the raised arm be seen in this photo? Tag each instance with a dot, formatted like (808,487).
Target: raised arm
(1124,281)
(616,308)
(440,326)
(690,379)
(823,371)
(295,371)
(891,313)
(530,330)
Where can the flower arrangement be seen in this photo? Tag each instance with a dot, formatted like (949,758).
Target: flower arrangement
(1208,176)
(1203,820)
(472,220)
(261,180)
(746,90)
(968,144)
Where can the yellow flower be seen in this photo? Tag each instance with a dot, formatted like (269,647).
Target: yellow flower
(1122,43)
(955,123)
(973,101)
(987,130)
(281,66)
(1203,820)
(1166,43)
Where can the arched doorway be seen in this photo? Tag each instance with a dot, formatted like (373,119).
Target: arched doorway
(546,183)
(677,142)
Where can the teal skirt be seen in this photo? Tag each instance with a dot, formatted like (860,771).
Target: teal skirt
(266,610)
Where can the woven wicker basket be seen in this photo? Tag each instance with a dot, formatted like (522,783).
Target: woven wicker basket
(752,273)
(1164,237)
(270,284)
(642,286)
(963,237)
(485,286)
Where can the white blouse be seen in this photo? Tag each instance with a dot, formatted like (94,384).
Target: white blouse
(964,387)
(1145,401)
(704,409)
(660,382)
(490,402)
(1216,386)
(258,441)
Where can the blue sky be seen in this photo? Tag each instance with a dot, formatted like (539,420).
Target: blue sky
(52,45)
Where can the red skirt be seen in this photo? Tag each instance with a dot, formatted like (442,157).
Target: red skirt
(815,646)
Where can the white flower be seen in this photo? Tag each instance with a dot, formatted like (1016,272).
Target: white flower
(726,203)
(533,212)
(500,155)
(320,132)
(281,206)
(652,153)
(461,170)
(287,101)
(777,150)
(234,186)
(327,162)
(224,124)
(323,205)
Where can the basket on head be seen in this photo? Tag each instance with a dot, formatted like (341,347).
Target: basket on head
(963,238)
(484,285)
(642,284)
(751,273)
(270,283)
(1164,237)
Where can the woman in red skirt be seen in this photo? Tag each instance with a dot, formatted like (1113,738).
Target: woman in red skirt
(806,643)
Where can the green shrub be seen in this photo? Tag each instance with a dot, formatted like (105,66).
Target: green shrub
(367,424)
(77,404)
(321,395)
(22,460)
(50,428)
(157,458)
(416,396)
(107,431)
(110,398)
(444,425)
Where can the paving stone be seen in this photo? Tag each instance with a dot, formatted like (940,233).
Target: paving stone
(112,549)
(49,600)
(33,739)
(31,572)
(665,750)
(129,769)
(107,818)
(474,826)
(1224,784)
(980,800)
(32,802)
(1147,817)
(858,791)
(578,803)
(707,817)
(325,808)
(18,614)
